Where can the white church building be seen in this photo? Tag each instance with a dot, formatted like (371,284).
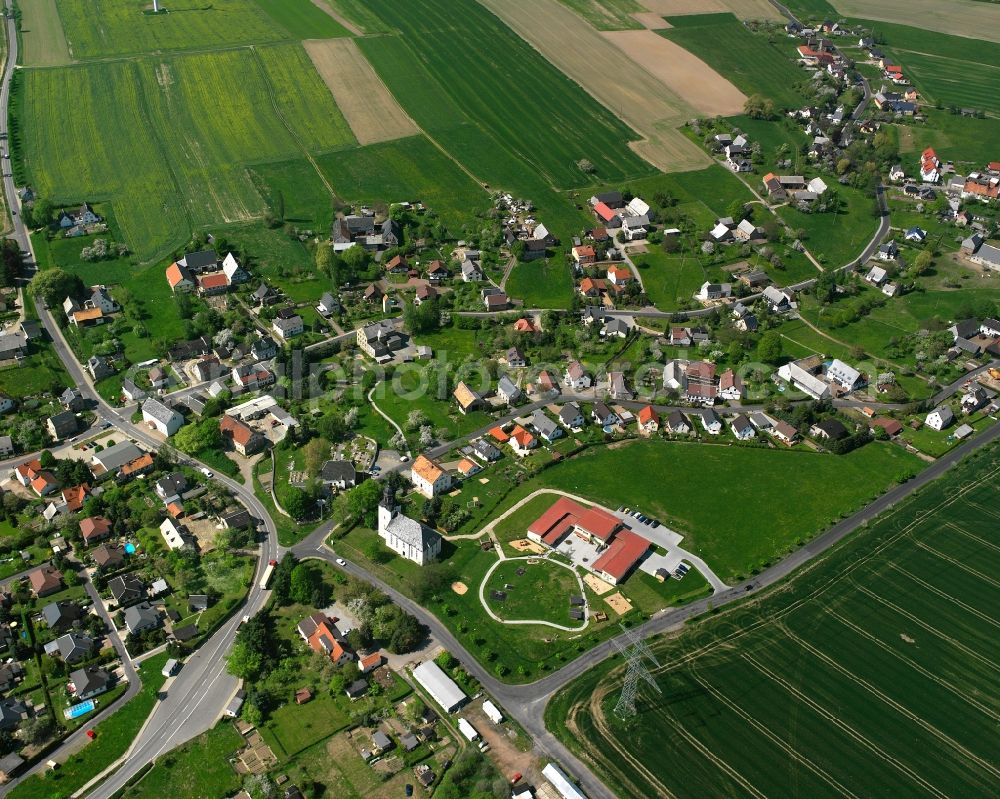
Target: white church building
(406,536)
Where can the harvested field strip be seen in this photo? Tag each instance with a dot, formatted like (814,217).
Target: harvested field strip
(358,14)
(694,81)
(869,674)
(976,20)
(303,100)
(650,106)
(370,109)
(504,87)
(42,33)
(745,58)
(744,9)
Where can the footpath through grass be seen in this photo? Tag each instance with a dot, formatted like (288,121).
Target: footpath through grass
(871,669)
(113,737)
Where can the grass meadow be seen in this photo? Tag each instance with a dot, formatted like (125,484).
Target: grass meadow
(775,499)
(967,141)
(405,169)
(42,34)
(542,284)
(871,673)
(303,19)
(747,59)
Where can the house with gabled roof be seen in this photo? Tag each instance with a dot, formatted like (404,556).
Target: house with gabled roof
(545,426)
(508,390)
(405,536)
(521,441)
(428,478)
(576,376)
(648,420)
(571,416)
(467,399)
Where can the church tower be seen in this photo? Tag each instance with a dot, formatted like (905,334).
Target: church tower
(387,509)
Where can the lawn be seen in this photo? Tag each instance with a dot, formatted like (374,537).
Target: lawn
(410,169)
(100,28)
(40,372)
(408,391)
(114,736)
(867,670)
(879,331)
(836,238)
(791,496)
(534,590)
(747,59)
(298,187)
(542,284)
(669,279)
(291,728)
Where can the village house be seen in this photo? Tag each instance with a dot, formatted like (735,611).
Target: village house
(286,328)
(576,376)
(571,416)
(508,390)
(428,478)
(380,339)
(245,440)
(940,418)
(467,399)
(711,421)
(648,420)
(742,428)
(161,417)
(521,441)
(544,426)
(677,424)
(322,635)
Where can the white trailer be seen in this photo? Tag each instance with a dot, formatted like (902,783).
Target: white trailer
(492,712)
(467,730)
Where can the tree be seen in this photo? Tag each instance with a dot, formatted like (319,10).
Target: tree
(759,107)
(407,634)
(585,166)
(201,436)
(36,730)
(921,263)
(769,347)
(307,587)
(55,285)
(316,453)
(42,212)
(295,501)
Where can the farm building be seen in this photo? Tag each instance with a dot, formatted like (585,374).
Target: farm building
(440,686)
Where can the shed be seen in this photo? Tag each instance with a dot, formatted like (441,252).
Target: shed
(492,712)
(440,686)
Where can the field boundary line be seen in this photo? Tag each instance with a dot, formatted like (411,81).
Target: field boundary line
(987,511)
(974,537)
(272,94)
(901,709)
(771,736)
(844,727)
(932,630)
(944,595)
(957,564)
(914,665)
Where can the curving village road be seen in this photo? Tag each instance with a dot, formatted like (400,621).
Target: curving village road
(194,700)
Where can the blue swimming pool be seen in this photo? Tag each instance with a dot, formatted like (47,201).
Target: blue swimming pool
(130,548)
(81,709)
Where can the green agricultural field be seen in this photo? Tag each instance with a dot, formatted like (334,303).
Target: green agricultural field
(609,15)
(303,101)
(100,28)
(542,284)
(303,19)
(541,593)
(297,187)
(88,128)
(359,14)
(42,34)
(869,674)
(514,105)
(747,59)
(790,496)
(405,169)
(136,135)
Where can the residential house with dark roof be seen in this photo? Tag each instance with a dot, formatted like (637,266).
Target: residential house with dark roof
(90,681)
(127,588)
